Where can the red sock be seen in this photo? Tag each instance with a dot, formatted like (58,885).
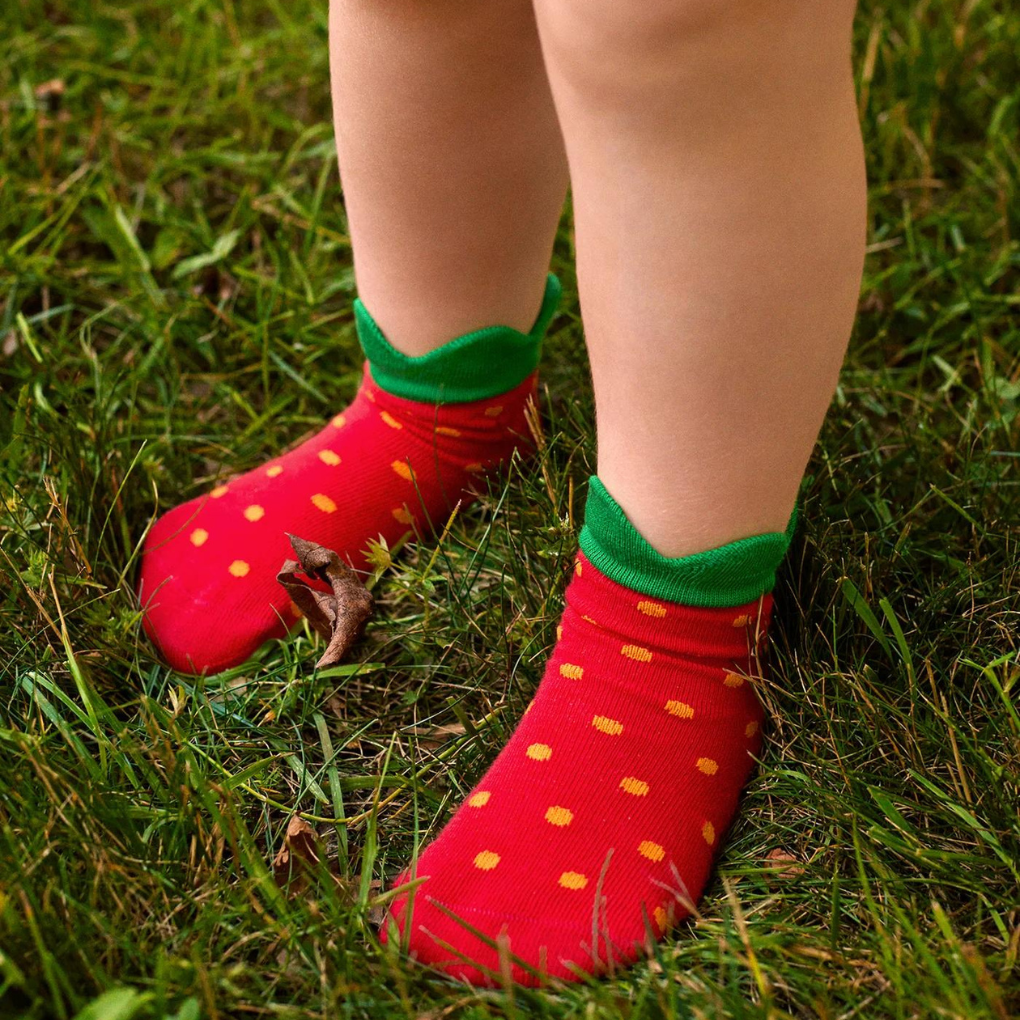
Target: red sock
(382,466)
(418,438)
(596,827)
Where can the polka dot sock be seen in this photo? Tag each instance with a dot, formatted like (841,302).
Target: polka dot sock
(418,437)
(595,829)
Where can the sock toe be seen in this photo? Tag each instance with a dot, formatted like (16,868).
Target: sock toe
(482,947)
(191,612)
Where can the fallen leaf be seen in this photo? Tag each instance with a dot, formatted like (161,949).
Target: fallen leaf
(432,737)
(49,94)
(376,912)
(339,616)
(784,865)
(336,706)
(300,850)
(299,857)
(290,964)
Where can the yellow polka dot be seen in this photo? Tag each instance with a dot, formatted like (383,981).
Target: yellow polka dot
(403,469)
(651,609)
(679,709)
(751,728)
(369,396)
(571,672)
(577,567)
(635,786)
(254,513)
(323,503)
(390,420)
(573,880)
(494,412)
(733,680)
(445,430)
(559,631)
(339,421)
(220,490)
(199,537)
(272,472)
(403,515)
(239,568)
(588,619)
(637,653)
(708,765)
(474,468)
(741,621)
(479,799)
(329,457)
(539,752)
(607,725)
(559,816)
(651,850)
(708,831)
(661,918)
(486,860)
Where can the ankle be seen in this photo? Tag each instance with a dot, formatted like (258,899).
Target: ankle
(472,367)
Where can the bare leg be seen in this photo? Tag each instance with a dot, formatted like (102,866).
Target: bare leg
(719,202)
(451,160)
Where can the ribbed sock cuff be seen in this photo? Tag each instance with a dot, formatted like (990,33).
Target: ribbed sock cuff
(731,575)
(474,366)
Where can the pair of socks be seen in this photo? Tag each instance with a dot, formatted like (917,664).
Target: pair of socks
(595,829)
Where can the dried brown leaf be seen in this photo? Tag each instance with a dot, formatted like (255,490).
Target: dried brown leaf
(299,857)
(300,852)
(340,615)
(783,864)
(49,94)
(376,912)
(335,706)
(53,87)
(432,737)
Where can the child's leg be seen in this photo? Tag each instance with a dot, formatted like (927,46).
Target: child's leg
(719,202)
(452,163)
(719,198)
(454,176)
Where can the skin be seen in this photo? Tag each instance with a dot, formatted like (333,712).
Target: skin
(452,163)
(718,184)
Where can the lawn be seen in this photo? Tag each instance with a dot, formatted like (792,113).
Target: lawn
(175,305)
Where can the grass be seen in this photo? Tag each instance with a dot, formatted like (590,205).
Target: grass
(175,290)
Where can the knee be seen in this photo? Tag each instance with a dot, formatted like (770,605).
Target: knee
(641,24)
(620,48)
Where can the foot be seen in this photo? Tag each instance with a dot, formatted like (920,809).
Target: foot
(418,438)
(382,467)
(595,829)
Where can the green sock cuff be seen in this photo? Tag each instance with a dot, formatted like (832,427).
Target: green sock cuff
(732,575)
(474,366)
